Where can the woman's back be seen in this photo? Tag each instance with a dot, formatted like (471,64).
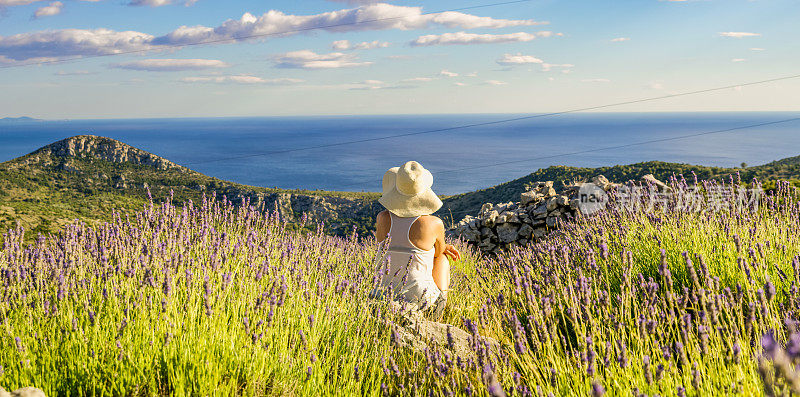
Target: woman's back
(407,270)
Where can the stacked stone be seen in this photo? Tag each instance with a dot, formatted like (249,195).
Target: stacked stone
(540,210)
(504,225)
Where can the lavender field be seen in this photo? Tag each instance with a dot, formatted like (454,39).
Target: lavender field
(216,299)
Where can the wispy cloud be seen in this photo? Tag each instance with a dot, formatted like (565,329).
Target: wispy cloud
(9,3)
(739,35)
(738,60)
(546,67)
(419,80)
(149,3)
(757,49)
(620,39)
(518,59)
(241,79)
(448,73)
(357,2)
(88,42)
(307,59)
(475,38)
(171,65)
(73,73)
(495,82)
(53,9)
(596,80)
(342,45)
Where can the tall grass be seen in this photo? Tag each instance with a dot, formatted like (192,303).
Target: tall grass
(217,299)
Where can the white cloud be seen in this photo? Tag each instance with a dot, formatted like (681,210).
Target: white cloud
(448,73)
(546,67)
(495,82)
(368,45)
(364,45)
(48,45)
(53,9)
(150,3)
(8,3)
(358,1)
(620,39)
(379,16)
(419,80)
(59,44)
(475,38)
(459,84)
(72,73)
(473,74)
(738,60)
(518,59)
(341,45)
(171,65)
(756,49)
(307,59)
(739,35)
(241,79)
(371,82)
(596,80)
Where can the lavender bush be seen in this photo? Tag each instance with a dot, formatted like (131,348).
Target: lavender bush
(220,299)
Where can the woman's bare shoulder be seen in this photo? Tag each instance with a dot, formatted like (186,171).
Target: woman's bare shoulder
(431,220)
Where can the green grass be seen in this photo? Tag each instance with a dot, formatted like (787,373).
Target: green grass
(171,300)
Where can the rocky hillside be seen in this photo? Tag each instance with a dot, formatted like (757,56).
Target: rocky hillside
(471,202)
(86,177)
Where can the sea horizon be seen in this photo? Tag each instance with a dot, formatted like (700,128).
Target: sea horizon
(237,148)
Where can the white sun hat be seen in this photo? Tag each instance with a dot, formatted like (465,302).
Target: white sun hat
(407,191)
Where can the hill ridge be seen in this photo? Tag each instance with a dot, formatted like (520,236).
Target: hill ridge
(106,149)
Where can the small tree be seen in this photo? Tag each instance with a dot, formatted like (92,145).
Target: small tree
(743,165)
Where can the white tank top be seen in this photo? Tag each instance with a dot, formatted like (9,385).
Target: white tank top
(410,269)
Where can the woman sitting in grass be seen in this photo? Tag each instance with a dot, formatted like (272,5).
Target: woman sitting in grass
(417,270)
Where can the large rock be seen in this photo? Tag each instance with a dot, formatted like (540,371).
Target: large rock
(491,218)
(529,197)
(471,234)
(23,392)
(414,331)
(649,178)
(507,232)
(539,211)
(525,231)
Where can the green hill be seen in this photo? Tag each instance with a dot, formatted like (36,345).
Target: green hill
(88,177)
(469,203)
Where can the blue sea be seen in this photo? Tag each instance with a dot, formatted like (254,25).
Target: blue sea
(239,149)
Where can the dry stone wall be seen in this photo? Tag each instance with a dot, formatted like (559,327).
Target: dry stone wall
(540,211)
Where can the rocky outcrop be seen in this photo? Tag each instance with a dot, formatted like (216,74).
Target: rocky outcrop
(413,331)
(540,211)
(23,392)
(104,149)
(338,213)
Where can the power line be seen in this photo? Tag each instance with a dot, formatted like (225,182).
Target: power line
(482,124)
(620,147)
(253,36)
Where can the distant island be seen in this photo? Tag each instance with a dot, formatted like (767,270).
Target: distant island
(19,119)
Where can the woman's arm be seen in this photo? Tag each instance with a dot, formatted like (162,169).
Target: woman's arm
(382,225)
(441,265)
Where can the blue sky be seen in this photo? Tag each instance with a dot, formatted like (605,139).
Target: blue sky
(534,56)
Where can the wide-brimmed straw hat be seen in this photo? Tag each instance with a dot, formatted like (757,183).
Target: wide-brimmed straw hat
(407,191)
